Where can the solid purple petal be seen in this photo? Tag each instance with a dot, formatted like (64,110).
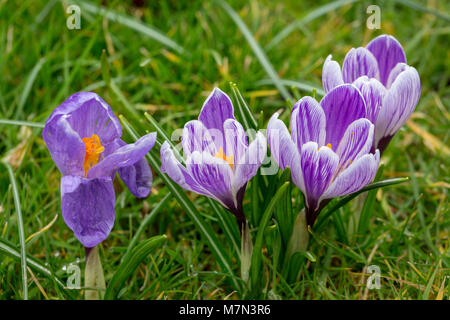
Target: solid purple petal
(284,150)
(88,208)
(216,109)
(398,104)
(359,62)
(138,178)
(331,74)
(356,176)
(342,105)
(196,137)
(236,143)
(388,52)
(212,174)
(65,146)
(89,114)
(399,68)
(248,164)
(357,141)
(307,122)
(124,156)
(373,92)
(318,167)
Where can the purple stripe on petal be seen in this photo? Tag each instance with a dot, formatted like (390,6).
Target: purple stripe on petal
(196,137)
(357,141)
(318,167)
(65,146)
(388,52)
(356,176)
(248,164)
(124,156)
(399,68)
(359,62)
(342,105)
(88,208)
(236,143)
(213,174)
(307,122)
(331,74)
(398,104)
(373,92)
(216,109)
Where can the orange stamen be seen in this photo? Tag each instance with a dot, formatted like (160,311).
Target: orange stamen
(93,150)
(221,155)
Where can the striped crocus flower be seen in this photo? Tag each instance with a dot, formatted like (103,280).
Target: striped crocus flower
(83,137)
(219,160)
(328,150)
(390,87)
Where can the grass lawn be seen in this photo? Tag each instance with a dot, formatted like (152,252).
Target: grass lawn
(164,58)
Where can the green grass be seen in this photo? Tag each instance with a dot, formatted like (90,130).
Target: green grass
(164,59)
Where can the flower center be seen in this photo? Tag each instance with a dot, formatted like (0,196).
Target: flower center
(221,155)
(93,150)
(327,145)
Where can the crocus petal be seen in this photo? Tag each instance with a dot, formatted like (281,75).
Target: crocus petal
(196,137)
(177,172)
(398,104)
(307,122)
(65,146)
(356,176)
(359,62)
(342,105)
(88,114)
(284,150)
(373,92)
(357,141)
(331,74)
(399,68)
(138,178)
(388,52)
(88,208)
(216,109)
(213,174)
(124,156)
(318,167)
(236,143)
(249,163)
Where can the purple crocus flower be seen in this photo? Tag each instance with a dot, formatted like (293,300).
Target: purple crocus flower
(83,137)
(219,160)
(390,87)
(328,149)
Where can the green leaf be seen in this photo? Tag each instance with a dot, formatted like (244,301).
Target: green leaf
(344,200)
(260,55)
(23,254)
(243,109)
(257,249)
(130,263)
(204,228)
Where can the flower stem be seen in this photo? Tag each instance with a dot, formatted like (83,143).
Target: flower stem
(93,275)
(246,252)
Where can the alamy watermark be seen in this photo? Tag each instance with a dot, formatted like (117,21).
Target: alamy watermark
(74,19)
(374,282)
(374,20)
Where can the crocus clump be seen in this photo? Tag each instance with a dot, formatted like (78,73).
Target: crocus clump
(83,137)
(218,158)
(390,87)
(328,150)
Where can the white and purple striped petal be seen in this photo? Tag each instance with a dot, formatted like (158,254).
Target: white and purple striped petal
(373,92)
(331,74)
(196,137)
(236,143)
(359,62)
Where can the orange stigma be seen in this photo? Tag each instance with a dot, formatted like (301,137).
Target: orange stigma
(93,150)
(327,145)
(221,155)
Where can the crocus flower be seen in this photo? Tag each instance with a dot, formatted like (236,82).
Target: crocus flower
(390,87)
(328,150)
(83,137)
(219,160)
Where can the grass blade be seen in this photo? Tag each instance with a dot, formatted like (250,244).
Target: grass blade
(293,83)
(320,11)
(344,200)
(418,7)
(130,263)
(22,123)
(28,85)
(23,255)
(132,24)
(260,54)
